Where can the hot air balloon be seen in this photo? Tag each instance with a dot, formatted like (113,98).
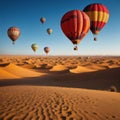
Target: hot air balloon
(34,47)
(49,31)
(75,24)
(99,16)
(47,50)
(13,33)
(43,20)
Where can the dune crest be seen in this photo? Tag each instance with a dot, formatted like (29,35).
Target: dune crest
(81,69)
(58,67)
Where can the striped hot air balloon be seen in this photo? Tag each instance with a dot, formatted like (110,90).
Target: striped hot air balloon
(75,24)
(13,33)
(99,15)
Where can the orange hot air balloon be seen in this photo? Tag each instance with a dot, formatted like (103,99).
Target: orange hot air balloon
(13,33)
(99,16)
(75,24)
(43,20)
(47,50)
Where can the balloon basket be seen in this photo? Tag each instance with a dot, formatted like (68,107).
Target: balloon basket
(95,38)
(75,48)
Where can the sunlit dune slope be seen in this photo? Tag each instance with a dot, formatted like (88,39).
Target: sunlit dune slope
(81,69)
(58,68)
(13,71)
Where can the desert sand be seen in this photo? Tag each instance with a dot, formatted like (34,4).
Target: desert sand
(59,88)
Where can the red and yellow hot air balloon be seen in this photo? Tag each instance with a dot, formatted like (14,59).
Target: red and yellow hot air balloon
(99,15)
(75,24)
(13,33)
(47,50)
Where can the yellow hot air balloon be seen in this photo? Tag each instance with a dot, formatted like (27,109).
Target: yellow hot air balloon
(13,33)
(34,47)
(49,31)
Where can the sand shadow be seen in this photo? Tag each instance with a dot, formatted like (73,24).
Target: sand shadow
(4,64)
(98,80)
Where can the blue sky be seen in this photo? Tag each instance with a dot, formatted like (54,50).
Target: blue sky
(26,15)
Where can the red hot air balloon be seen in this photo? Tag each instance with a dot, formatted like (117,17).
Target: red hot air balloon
(75,24)
(13,33)
(47,50)
(43,20)
(99,16)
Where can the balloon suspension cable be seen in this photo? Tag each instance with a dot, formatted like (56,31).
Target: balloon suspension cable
(76,48)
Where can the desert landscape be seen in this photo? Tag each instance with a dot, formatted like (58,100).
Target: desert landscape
(59,87)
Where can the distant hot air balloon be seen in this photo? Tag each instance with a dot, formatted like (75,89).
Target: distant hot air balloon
(49,31)
(47,50)
(99,16)
(13,33)
(43,20)
(75,24)
(34,47)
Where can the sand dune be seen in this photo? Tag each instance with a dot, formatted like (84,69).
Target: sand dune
(113,66)
(58,67)
(97,67)
(45,103)
(46,66)
(6,75)
(80,69)
(13,71)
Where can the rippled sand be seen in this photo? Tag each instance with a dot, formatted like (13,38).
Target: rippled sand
(52,103)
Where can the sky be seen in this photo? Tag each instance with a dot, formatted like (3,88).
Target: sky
(26,14)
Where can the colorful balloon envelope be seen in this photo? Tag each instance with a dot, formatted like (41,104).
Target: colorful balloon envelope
(43,20)
(75,24)
(49,31)
(13,33)
(34,47)
(99,15)
(47,50)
